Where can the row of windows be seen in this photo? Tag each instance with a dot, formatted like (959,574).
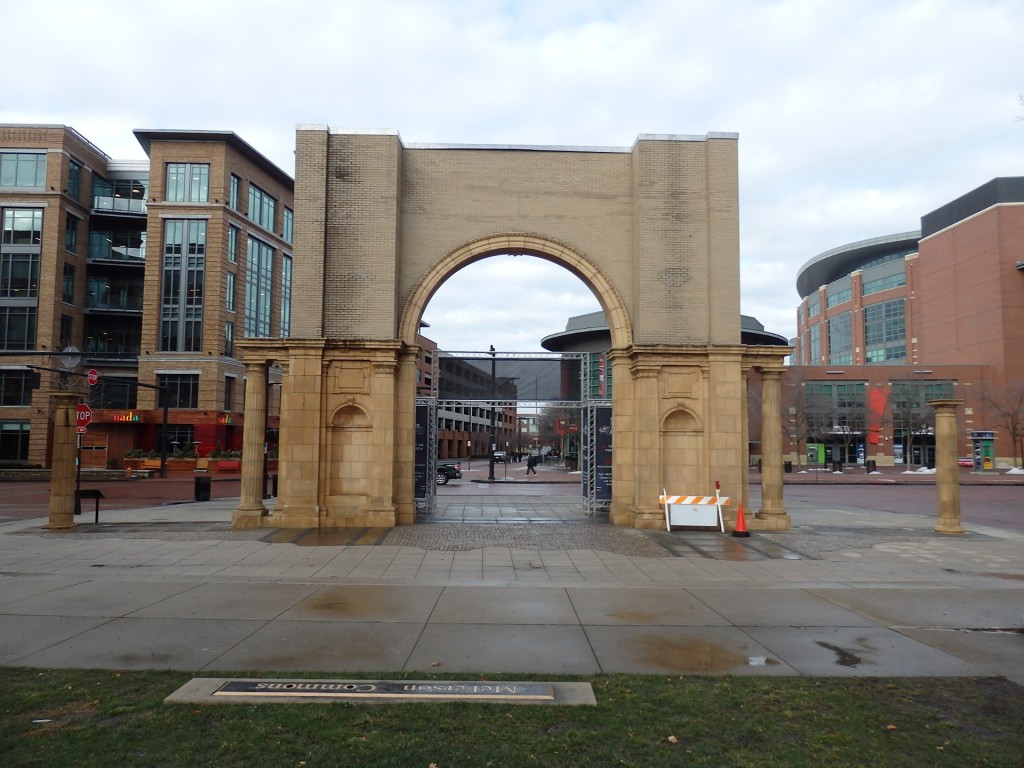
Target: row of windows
(841,297)
(190,183)
(884,284)
(884,335)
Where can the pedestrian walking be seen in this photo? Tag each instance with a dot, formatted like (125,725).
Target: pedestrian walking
(531,464)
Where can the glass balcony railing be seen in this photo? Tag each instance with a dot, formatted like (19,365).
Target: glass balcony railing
(119,204)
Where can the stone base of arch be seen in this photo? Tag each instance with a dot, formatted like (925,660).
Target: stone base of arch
(347,436)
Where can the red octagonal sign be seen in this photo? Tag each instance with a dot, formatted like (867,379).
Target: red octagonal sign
(84,415)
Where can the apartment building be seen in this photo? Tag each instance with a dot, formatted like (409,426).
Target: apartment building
(144,272)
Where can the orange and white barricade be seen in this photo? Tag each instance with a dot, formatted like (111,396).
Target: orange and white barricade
(694,511)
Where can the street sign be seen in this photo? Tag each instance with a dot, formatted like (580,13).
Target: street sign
(92,377)
(84,416)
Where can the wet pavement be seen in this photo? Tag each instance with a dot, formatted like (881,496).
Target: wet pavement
(528,585)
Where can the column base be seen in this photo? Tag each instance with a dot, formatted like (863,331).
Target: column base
(248,517)
(951,527)
(770,521)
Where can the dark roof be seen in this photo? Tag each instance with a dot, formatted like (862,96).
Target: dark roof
(833,264)
(594,327)
(1001,190)
(233,140)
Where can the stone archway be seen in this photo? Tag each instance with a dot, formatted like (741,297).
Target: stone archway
(652,229)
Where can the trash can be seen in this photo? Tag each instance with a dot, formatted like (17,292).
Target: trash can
(870,465)
(837,466)
(787,466)
(202,487)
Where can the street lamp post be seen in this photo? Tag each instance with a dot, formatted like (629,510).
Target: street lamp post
(494,406)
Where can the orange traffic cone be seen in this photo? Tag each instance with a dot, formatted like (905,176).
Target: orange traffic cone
(740,531)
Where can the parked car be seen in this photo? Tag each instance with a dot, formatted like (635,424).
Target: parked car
(500,457)
(448,470)
(965,461)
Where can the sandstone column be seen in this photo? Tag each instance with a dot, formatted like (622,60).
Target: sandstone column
(772,509)
(250,507)
(947,474)
(62,464)
(647,461)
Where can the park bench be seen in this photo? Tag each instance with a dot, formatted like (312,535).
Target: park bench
(89,493)
(229,465)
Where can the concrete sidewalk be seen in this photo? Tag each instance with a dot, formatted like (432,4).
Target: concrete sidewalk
(848,592)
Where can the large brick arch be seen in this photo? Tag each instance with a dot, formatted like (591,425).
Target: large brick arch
(652,229)
(517,244)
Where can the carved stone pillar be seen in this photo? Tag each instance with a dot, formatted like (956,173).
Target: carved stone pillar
(647,456)
(772,510)
(947,473)
(62,464)
(250,508)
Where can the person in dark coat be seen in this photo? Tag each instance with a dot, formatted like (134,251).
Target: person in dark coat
(531,464)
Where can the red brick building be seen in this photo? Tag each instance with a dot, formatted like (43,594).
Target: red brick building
(888,323)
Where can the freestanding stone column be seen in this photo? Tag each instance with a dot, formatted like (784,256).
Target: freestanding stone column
(947,474)
(250,507)
(772,509)
(62,465)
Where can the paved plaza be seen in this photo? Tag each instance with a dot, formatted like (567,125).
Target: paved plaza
(501,584)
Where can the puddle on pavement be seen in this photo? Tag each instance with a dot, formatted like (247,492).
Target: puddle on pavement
(341,537)
(693,654)
(844,658)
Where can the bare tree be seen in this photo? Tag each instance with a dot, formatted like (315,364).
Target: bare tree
(1007,405)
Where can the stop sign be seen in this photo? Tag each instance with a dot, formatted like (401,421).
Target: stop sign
(92,377)
(84,415)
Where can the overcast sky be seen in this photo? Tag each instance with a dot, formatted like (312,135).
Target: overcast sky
(854,118)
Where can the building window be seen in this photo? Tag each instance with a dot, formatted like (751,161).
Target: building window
(884,284)
(179,390)
(232,243)
(229,339)
(236,185)
(17,327)
(68,290)
(74,179)
(14,440)
(814,344)
(229,291)
(840,340)
(286,296)
(15,387)
(23,169)
(67,331)
(289,225)
(71,233)
(119,392)
(841,297)
(885,331)
(179,437)
(229,393)
(188,182)
(261,207)
(813,306)
(19,275)
(259,279)
(184,270)
(23,226)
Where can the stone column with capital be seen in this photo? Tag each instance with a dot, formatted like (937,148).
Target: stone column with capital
(947,472)
(251,508)
(772,514)
(62,464)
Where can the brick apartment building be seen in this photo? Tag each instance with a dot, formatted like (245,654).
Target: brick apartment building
(887,324)
(151,269)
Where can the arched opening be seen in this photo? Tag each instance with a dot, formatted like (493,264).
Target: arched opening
(544,413)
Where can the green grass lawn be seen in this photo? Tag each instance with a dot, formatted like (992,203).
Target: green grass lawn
(79,718)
